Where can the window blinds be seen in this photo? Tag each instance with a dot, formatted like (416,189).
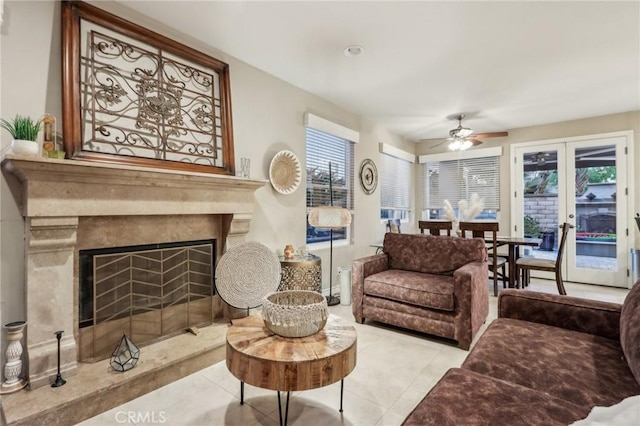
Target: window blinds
(456,180)
(323,148)
(395,182)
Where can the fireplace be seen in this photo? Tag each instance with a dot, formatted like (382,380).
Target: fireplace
(148,292)
(598,223)
(70,206)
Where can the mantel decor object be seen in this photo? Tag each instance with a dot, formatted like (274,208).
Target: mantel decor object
(13,364)
(24,131)
(144,99)
(125,356)
(285,172)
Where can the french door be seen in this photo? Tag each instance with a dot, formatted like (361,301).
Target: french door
(583,182)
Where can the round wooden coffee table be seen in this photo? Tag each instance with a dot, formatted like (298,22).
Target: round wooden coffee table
(261,358)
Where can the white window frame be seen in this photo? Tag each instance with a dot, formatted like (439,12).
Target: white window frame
(349,136)
(398,155)
(453,156)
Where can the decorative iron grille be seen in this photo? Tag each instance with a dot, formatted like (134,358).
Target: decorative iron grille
(142,98)
(143,103)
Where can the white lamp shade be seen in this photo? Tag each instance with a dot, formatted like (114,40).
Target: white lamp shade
(329,217)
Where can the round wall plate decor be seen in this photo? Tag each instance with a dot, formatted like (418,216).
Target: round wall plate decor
(368,176)
(285,172)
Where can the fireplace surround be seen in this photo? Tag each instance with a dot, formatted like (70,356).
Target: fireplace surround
(71,205)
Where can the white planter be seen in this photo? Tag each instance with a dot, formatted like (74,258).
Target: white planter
(26,148)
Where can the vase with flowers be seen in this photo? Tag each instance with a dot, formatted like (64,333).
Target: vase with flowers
(467,210)
(24,131)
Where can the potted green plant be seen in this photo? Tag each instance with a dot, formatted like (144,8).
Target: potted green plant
(531,227)
(24,131)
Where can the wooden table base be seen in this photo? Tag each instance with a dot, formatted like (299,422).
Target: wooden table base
(261,358)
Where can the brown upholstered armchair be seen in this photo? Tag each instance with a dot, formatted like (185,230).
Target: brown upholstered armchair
(433,284)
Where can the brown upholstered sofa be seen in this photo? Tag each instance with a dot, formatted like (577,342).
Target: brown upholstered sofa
(432,284)
(547,360)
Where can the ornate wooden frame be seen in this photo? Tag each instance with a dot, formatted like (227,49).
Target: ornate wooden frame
(73,13)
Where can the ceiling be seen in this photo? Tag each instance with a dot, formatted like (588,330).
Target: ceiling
(504,64)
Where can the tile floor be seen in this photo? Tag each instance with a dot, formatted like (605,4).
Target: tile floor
(395,369)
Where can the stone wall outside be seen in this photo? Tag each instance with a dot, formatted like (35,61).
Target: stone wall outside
(544,208)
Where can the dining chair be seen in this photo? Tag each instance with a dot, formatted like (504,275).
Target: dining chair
(478,230)
(393,226)
(435,227)
(526,264)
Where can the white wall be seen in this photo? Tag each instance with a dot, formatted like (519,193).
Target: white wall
(267,117)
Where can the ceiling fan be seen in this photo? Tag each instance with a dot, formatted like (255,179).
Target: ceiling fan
(539,159)
(462,138)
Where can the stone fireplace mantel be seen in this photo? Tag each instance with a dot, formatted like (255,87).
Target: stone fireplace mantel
(56,196)
(55,188)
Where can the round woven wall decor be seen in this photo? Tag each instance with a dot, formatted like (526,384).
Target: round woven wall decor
(246,273)
(285,172)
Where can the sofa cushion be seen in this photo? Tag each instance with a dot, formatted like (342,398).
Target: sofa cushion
(578,367)
(431,291)
(630,330)
(463,397)
(432,254)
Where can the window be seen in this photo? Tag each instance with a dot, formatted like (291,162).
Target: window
(456,179)
(395,183)
(324,149)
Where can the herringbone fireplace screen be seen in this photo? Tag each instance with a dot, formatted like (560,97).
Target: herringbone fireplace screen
(147,293)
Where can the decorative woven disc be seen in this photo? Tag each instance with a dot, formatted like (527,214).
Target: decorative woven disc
(285,172)
(246,273)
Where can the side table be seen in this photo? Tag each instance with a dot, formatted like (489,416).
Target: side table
(301,273)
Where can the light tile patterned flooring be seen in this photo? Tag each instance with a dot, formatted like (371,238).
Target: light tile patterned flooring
(395,369)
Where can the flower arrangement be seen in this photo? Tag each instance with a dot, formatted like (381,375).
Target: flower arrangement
(467,210)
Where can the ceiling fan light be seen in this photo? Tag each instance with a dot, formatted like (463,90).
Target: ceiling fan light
(465,145)
(455,145)
(464,132)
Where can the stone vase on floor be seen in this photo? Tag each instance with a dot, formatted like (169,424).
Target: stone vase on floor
(13,365)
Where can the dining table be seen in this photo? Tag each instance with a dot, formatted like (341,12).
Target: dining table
(513,252)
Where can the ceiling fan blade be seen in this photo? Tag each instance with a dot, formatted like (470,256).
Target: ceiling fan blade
(438,144)
(474,141)
(490,135)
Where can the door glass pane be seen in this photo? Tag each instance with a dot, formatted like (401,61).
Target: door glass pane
(541,202)
(596,207)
